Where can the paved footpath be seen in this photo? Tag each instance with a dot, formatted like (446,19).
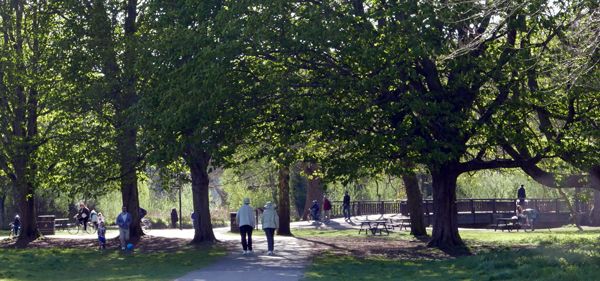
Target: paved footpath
(287,264)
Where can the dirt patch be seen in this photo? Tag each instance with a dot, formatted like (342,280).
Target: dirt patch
(146,244)
(392,248)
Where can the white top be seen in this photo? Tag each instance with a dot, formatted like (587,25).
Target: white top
(245,216)
(270,219)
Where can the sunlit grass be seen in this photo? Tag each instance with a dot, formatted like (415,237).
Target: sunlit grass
(539,255)
(78,264)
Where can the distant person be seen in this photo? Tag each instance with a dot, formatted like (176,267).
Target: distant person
(16,225)
(245,219)
(101,236)
(532,216)
(94,218)
(124,222)
(346,206)
(326,210)
(193,221)
(83,215)
(100,218)
(522,218)
(270,222)
(521,195)
(174,218)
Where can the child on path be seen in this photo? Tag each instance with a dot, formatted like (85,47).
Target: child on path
(101,236)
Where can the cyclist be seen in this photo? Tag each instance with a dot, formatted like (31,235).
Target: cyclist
(16,224)
(83,215)
(315,210)
(143,213)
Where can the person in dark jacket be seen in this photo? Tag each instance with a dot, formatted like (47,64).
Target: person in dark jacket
(521,195)
(346,206)
(83,215)
(174,218)
(326,209)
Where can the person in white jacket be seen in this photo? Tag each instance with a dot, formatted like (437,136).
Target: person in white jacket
(245,219)
(270,222)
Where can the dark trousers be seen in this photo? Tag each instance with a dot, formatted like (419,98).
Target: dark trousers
(246,229)
(84,221)
(270,232)
(174,224)
(346,211)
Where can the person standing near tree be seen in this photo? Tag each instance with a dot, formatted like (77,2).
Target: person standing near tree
(174,218)
(124,222)
(326,210)
(521,195)
(245,219)
(346,206)
(270,222)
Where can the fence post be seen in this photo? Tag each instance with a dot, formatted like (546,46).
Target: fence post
(382,208)
(535,205)
(494,206)
(472,206)
(358,208)
(556,204)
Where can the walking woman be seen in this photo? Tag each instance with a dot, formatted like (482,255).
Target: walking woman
(270,222)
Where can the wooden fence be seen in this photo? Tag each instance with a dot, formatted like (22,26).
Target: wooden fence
(542,205)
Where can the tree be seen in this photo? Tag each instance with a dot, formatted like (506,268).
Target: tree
(100,48)
(31,102)
(437,83)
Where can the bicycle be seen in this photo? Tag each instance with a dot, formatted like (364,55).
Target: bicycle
(146,225)
(312,216)
(12,231)
(73,228)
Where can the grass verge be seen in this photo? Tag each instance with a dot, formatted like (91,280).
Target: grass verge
(64,264)
(540,255)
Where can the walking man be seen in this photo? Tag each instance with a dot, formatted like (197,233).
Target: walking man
(346,206)
(521,195)
(124,222)
(245,219)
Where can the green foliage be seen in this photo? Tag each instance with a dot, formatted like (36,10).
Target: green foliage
(501,184)
(56,264)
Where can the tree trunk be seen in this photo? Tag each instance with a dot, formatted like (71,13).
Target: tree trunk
(571,210)
(445,225)
(129,189)
(314,188)
(415,205)
(595,212)
(198,161)
(284,202)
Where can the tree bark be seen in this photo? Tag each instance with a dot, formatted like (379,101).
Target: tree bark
(415,205)
(595,212)
(127,147)
(571,210)
(284,202)
(314,188)
(198,161)
(445,225)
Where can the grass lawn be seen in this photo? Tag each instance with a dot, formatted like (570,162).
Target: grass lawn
(539,255)
(65,264)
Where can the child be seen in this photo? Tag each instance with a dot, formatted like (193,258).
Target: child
(16,224)
(100,218)
(101,236)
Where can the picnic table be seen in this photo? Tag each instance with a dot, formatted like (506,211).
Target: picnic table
(402,222)
(374,226)
(508,223)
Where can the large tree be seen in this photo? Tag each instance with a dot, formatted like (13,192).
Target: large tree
(100,49)
(398,83)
